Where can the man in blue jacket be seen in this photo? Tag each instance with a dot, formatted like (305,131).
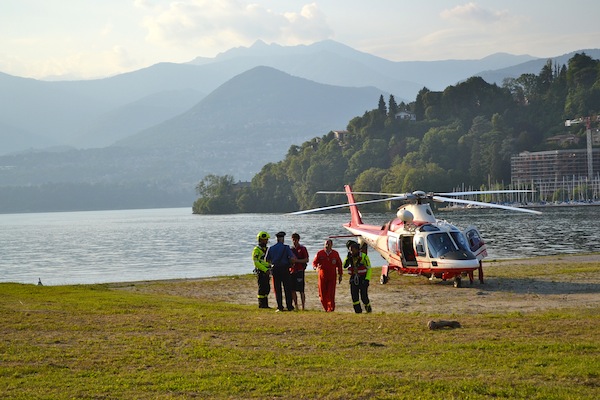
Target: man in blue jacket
(281,257)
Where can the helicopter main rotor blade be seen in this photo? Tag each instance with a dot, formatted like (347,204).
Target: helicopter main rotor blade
(485,192)
(482,204)
(343,205)
(366,193)
(469,193)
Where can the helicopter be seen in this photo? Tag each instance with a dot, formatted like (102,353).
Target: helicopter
(415,242)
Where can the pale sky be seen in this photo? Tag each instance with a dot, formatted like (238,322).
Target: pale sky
(95,38)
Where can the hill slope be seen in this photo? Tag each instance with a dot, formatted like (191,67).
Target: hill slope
(78,113)
(247,122)
(253,119)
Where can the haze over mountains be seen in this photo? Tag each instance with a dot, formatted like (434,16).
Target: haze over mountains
(172,124)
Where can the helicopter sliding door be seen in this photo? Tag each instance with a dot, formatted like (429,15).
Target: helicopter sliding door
(409,258)
(402,247)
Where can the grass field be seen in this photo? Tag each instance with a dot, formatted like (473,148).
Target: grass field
(152,342)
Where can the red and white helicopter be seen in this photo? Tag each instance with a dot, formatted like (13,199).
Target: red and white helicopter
(416,242)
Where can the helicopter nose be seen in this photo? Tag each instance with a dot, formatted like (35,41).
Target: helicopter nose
(459,255)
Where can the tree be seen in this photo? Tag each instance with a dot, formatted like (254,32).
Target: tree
(216,195)
(381,107)
(582,75)
(440,145)
(392,107)
(373,154)
(369,180)
(273,189)
(419,104)
(545,78)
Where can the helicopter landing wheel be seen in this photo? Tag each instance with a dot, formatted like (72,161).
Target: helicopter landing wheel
(457,282)
(384,279)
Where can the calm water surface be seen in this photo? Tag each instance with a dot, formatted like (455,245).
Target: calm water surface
(131,245)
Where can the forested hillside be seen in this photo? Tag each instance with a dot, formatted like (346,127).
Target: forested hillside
(465,134)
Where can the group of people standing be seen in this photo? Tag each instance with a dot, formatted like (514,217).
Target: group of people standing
(287,266)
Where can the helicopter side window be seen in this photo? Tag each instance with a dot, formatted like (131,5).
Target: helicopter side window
(420,246)
(474,240)
(393,244)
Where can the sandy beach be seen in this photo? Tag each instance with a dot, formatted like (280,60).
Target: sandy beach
(524,285)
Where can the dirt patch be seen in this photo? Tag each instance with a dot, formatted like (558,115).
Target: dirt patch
(526,285)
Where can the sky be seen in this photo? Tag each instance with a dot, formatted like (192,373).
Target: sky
(84,39)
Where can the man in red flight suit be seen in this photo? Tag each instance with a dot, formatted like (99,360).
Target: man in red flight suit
(328,262)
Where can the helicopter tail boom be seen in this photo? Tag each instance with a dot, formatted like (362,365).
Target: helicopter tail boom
(355,217)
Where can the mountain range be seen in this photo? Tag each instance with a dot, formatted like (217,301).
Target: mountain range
(231,114)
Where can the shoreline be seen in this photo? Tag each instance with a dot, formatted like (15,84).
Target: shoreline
(517,285)
(573,257)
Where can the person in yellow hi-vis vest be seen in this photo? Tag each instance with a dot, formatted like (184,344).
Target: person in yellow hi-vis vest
(262,269)
(359,268)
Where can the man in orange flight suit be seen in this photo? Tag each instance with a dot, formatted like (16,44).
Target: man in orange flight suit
(328,262)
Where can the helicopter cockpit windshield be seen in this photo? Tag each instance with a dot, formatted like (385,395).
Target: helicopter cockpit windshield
(451,244)
(440,244)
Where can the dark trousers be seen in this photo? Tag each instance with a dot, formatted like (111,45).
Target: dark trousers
(359,287)
(282,277)
(263,284)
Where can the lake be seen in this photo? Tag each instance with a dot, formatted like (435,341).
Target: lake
(132,245)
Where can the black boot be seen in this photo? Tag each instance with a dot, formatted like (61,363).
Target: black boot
(368,308)
(357,308)
(263,302)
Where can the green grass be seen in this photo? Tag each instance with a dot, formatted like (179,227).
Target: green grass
(92,341)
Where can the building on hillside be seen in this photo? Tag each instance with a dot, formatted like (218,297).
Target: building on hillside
(563,140)
(554,170)
(406,115)
(340,135)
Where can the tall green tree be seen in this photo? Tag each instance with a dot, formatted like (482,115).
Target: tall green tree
(381,106)
(392,107)
(582,75)
(217,195)
(273,189)
(420,104)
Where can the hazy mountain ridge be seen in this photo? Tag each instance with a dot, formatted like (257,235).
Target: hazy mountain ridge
(67,111)
(531,66)
(16,139)
(247,122)
(172,124)
(151,110)
(258,113)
